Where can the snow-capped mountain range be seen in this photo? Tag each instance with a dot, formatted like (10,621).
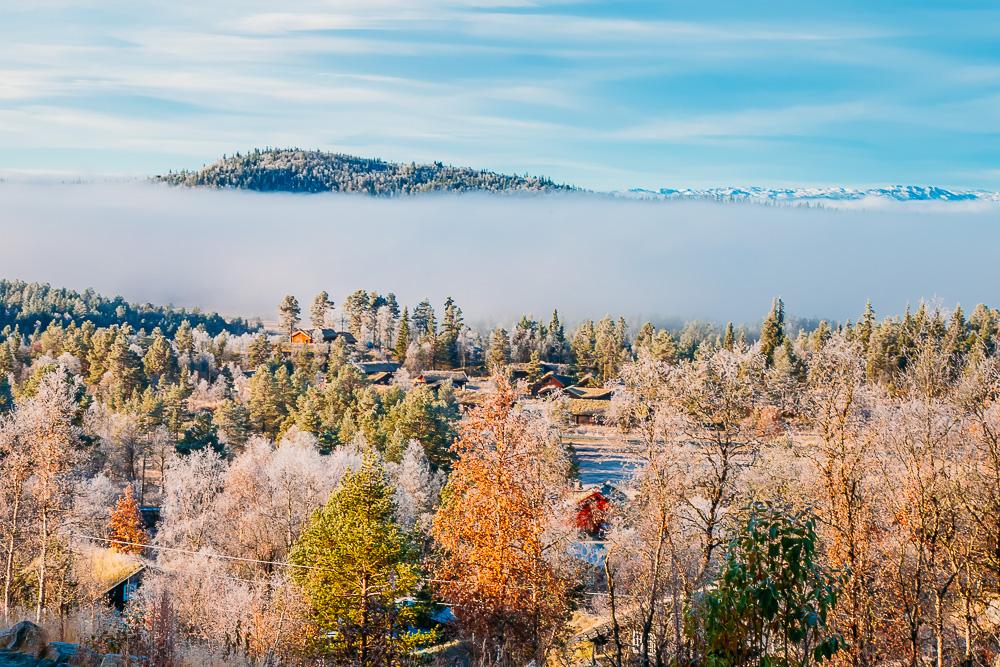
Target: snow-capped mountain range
(819,195)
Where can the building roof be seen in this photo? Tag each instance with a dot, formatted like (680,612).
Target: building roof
(376,378)
(550,379)
(606,489)
(437,377)
(588,407)
(375,367)
(589,393)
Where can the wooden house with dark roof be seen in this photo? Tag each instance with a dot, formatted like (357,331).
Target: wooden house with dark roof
(586,412)
(435,379)
(550,383)
(320,336)
(372,368)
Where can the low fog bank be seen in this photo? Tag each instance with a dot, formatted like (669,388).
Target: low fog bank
(239,252)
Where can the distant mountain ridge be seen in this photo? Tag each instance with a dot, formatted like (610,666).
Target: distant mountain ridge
(819,195)
(314,171)
(294,170)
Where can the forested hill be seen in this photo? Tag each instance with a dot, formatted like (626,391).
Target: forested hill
(28,305)
(294,170)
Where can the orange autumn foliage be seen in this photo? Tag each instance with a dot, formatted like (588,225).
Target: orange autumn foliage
(125,527)
(492,532)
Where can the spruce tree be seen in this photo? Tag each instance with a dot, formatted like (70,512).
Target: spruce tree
(865,326)
(556,348)
(534,367)
(499,354)
(403,336)
(772,333)
(451,329)
(729,337)
(584,341)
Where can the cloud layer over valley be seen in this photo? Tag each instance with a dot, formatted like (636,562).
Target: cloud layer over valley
(239,252)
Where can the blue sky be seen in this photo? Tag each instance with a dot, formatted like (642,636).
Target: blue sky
(602,94)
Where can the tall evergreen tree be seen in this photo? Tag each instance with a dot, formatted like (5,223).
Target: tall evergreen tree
(288,314)
(184,339)
(499,354)
(772,333)
(403,336)
(355,565)
(729,337)
(321,306)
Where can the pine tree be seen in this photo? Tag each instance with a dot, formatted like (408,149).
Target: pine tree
(233,419)
(355,565)
(125,369)
(125,528)
(663,348)
(184,339)
(259,351)
(159,361)
(288,314)
(321,305)
(772,333)
(644,337)
(201,435)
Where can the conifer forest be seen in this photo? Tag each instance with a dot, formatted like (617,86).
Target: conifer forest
(187,489)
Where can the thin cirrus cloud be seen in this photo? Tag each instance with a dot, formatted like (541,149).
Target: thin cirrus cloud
(588,92)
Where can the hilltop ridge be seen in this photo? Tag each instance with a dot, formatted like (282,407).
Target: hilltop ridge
(313,171)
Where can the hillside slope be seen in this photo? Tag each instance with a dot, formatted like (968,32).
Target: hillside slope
(27,305)
(293,170)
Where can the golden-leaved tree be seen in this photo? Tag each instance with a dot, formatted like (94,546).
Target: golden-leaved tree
(125,529)
(498,533)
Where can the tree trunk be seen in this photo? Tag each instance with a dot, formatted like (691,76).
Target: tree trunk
(9,565)
(615,629)
(42,566)
(654,574)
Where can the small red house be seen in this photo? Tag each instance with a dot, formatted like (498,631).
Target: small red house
(592,506)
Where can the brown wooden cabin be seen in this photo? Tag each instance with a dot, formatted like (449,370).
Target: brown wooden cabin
(550,382)
(588,412)
(318,336)
(301,337)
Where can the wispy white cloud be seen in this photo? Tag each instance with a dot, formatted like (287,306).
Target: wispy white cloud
(489,81)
